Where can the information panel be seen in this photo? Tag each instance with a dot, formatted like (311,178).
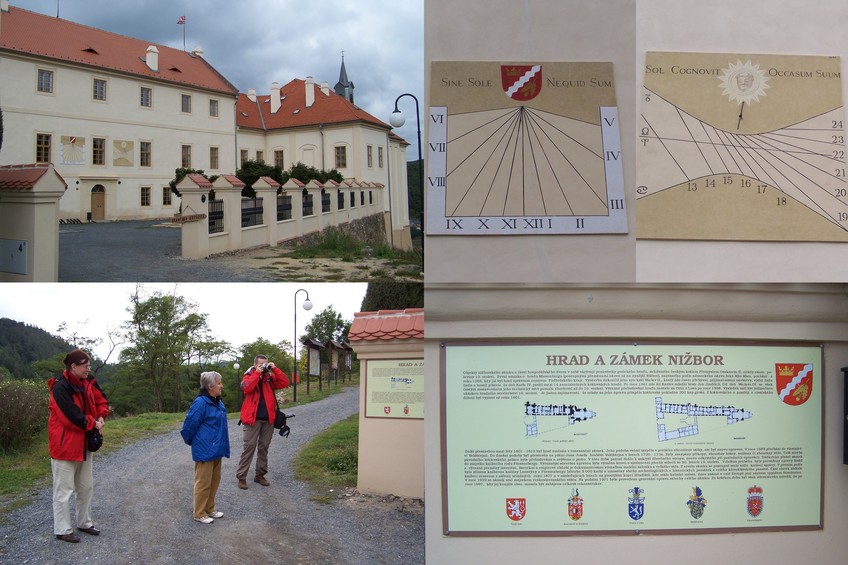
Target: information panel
(564,439)
(394,388)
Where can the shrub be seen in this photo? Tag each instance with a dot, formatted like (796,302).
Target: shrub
(24,405)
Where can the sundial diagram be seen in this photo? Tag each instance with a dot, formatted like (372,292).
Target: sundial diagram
(524,148)
(741,147)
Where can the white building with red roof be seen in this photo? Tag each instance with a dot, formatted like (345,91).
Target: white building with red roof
(117,115)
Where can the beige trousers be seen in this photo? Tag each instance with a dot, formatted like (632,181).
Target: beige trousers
(207,477)
(72,479)
(256,438)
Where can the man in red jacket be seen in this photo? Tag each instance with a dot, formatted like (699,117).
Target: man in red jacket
(257,416)
(77,405)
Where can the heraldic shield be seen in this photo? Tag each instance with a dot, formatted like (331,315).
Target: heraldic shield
(697,503)
(521,82)
(516,508)
(755,501)
(636,503)
(575,505)
(794,382)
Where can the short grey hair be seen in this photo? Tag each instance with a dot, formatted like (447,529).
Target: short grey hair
(258,357)
(208,379)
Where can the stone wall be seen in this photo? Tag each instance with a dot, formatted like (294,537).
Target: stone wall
(370,230)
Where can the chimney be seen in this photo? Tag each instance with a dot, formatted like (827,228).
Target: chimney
(325,88)
(4,5)
(251,94)
(275,97)
(152,59)
(310,92)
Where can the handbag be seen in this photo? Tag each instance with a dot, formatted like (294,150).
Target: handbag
(93,439)
(280,418)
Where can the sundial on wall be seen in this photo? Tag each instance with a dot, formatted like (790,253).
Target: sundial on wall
(523,148)
(741,147)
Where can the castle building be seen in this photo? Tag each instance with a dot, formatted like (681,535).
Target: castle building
(117,115)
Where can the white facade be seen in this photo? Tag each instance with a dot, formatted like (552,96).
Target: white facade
(73,120)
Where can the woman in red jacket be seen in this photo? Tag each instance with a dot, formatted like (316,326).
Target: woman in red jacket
(77,405)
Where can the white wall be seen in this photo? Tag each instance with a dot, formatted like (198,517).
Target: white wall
(537,30)
(70,111)
(749,26)
(621,31)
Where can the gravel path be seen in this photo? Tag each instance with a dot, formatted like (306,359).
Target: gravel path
(143,505)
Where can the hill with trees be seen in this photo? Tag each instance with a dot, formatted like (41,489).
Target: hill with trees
(22,344)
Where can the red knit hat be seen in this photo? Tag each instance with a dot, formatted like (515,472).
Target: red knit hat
(76,357)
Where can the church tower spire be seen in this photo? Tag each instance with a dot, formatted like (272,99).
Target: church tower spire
(344,87)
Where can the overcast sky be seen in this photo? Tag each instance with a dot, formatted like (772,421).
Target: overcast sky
(236,312)
(256,42)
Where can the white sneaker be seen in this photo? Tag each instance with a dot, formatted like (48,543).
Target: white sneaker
(204,520)
(216,515)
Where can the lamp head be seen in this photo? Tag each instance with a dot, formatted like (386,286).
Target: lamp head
(397,119)
(236,366)
(307,305)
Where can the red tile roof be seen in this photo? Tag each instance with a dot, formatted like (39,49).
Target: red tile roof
(327,109)
(53,38)
(234,180)
(24,177)
(200,180)
(387,324)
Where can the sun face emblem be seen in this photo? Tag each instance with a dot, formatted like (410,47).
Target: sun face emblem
(744,82)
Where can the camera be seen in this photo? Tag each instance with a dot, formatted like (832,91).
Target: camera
(266,367)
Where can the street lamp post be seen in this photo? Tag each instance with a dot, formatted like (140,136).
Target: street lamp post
(236,368)
(397,120)
(307,305)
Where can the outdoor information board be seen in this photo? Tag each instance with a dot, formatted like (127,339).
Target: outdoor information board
(394,388)
(554,439)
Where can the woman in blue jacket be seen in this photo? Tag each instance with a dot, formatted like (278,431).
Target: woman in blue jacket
(205,430)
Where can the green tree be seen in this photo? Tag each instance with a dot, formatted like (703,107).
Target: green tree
(392,296)
(326,325)
(180,174)
(46,368)
(250,172)
(305,173)
(164,330)
(278,353)
(413,184)
(77,339)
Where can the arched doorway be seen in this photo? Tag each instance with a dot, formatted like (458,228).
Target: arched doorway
(98,202)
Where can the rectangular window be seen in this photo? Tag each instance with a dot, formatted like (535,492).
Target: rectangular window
(45,81)
(146,97)
(166,196)
(380,157)
(145,153)
(213,108)
(213,158)
(42,147)
(260,156)
(186,161)
(279,159)
(145,196)
(99,89)
(98,151)
(186,104)
(243,156)
(341,157)
(370,153)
